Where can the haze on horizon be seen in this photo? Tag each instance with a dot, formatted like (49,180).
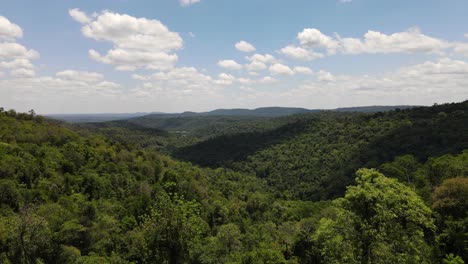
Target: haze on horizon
(199,55)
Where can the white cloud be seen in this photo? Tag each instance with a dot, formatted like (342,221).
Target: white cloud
(444,66)
(460,48)
(185,85)
(225,79)
(187,88)
(23,73)
(466,35)
(440,81)
(58,95)
(17,63)
(130,60)
(303,70)
(244,46)
(325,76)
(313,38)
(410,41)
(264,58)
(139,77)
(299,53)
(268,79)
(186,3)
(10,50)
(79,16)
(345,1)
(229,64)
(80,76)
(279,68)
(183,77)
(14,56)
(9,30)
(138,42)
(256,66)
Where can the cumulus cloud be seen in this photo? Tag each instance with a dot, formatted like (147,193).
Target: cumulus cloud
(410,41)
(444,66)
(313,38)
(244,46)
(268,79)
(264,58)
(9,30)
(89,77)
(325,76)
(23,73)
(225,78)
(11,50)
(180,84)
(278,68)
(461,48)
(229,64)
(130,60)
(138,42)
(17,63)
(66,91)
(444,80)
(258,62)
(303,70)
(13,56)
(256,66)
(186,3)
(79,16)
(314,43)
(299,53)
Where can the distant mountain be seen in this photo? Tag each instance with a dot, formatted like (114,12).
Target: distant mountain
(261,112)
(258,112)
(235,112)
(373,109)
(93,118)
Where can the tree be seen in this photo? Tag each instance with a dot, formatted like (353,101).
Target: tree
(229,237)
(380,220)
(172,230)
(450,199)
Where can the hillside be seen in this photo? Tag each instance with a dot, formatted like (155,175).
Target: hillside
(90,199)
(314,156)
(85,118)
(92,194)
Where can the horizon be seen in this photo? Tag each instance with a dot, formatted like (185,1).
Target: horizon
(250,109)
(133,57)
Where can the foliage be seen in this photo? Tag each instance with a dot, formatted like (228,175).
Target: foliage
(107,193)
(379,221)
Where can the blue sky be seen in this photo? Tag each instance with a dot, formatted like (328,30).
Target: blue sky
(166,55)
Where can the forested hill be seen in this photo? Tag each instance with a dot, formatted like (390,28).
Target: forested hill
(314,156)
(85,118)
(71,196)
(239,112)
(66,198)
(271,112)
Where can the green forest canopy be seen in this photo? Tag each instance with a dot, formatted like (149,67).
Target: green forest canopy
(268,195)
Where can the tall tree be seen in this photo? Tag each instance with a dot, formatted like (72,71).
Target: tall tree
(380,220)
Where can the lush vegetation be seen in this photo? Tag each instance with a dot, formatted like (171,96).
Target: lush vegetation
(281,190)
(314,156)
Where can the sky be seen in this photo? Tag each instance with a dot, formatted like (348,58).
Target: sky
(122,56)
